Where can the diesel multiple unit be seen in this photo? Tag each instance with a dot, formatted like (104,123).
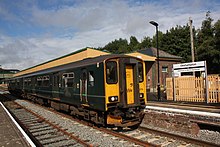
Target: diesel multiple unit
(108,90)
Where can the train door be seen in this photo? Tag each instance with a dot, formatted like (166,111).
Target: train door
(129,84)
(129,94)
(83,86)
(56,85)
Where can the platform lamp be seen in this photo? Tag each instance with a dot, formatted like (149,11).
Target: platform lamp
(158,64)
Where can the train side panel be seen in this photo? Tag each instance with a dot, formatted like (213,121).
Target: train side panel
(111,90)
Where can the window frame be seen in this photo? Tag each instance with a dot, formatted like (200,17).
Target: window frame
(164,67)
(115,73)
(68,77)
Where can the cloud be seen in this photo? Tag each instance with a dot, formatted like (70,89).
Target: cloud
(59,29)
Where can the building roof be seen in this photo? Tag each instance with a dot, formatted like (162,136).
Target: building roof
(142,56)
(72,57)
(162,54)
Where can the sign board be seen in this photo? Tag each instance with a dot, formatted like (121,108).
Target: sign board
(188,67)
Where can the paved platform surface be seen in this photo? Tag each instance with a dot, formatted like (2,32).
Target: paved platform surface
(10,136)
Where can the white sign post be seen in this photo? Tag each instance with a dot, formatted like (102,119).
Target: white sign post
(190,67)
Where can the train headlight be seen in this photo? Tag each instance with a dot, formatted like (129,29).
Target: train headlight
(112,98)
(141,95)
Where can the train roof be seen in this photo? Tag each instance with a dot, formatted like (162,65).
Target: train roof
(84,62)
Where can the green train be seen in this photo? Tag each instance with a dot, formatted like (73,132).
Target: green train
(109,90)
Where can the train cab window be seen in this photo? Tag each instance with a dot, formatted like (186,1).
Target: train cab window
(111,72)
(140,72)
(68,79)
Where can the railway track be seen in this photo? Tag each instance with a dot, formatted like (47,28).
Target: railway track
(41,131)
(91,135)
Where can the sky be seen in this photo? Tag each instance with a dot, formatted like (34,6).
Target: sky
(35,31)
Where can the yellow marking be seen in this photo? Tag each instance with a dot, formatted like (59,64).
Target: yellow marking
(113,120)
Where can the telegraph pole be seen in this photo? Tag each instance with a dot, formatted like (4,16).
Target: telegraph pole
(191,36)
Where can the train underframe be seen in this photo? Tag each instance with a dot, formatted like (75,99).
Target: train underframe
(114,117)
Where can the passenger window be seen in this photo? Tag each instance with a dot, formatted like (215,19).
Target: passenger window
(91,78)
(68,79)
(39,81)
(140,72)
(27,82)
(46,81)
(111,72)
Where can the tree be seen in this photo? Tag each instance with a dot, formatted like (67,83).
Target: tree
(134,44)
(117,46)
(207,42)
(146,43)
(217,35)
(176,41)
(154,40)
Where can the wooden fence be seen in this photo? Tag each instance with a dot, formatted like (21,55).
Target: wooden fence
(193,89)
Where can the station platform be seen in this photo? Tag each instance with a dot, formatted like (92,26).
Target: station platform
(10,135)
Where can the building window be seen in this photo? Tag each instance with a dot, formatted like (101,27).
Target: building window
(164,69)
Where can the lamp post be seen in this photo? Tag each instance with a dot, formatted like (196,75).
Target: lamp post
(158,64)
